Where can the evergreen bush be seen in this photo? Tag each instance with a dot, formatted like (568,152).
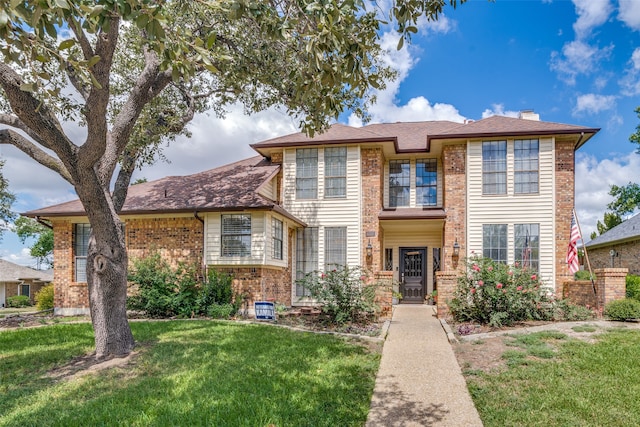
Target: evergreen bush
(18,301)
(44,298)
(624,309)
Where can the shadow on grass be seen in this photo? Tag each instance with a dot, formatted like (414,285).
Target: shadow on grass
(207,373)
(397,408)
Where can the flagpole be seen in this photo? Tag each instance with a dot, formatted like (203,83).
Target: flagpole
(586,256)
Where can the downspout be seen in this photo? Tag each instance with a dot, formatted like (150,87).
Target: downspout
(43,222)
(203,266)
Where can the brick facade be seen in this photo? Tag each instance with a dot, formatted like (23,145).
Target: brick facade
(627,256)
(455,202)
(610,284)
(13,289)
(372,171)
(565,199)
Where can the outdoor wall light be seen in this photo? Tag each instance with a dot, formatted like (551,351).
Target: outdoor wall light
(456,249)
(369,249)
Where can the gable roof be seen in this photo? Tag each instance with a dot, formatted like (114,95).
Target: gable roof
(10,272)
(411,137)
(226,188)
(628,230)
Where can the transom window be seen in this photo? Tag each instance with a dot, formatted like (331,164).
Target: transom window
(335,247)
(81,234)
(526,161)
(335,172)
(399,183)
(527,245)
(307,173)
(426,182)
(277,238)
(494,242)
(306,256)
(236,235)
(494,167)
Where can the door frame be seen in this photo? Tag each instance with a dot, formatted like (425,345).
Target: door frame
(402,250)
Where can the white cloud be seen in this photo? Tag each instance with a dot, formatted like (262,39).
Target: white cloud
(498,110)
(629,13)
(386,108)
(592,103)
(20,257)
(591,14)
(593,181)
(578,58)
(630,82)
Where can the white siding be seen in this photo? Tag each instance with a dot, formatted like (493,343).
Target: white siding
(330,212)
(268,190)
(513,208)
(213,227)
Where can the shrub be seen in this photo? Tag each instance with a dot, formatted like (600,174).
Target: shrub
(633,287)
(624,309)
(44,298)
(568,312)
(497,294)
(155,283)
(221,311)
(583,275)
(341,293)
(18,301)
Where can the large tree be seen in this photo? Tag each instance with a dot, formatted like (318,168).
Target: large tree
(134,73)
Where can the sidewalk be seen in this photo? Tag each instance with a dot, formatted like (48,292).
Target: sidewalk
(419,382)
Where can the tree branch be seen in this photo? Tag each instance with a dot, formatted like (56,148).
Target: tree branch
(15,122)
(121,187)
(9,136)
(83,41)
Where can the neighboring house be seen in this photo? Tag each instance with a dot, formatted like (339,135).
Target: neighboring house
(618,247)
(398,197)
(19,280)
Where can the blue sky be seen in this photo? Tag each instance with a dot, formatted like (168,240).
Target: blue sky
(571,61)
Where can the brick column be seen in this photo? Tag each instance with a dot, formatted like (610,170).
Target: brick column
(372,171)
(455,202)
(610,283)
(447,282)
(384,293)
(565,199)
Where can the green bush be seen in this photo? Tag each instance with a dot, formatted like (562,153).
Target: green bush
(221,311)
(633,287)
(44,298)
(18,301)
(155,286)
(565,311)
(583,275)
(498,294)
(342,294)
(624,309)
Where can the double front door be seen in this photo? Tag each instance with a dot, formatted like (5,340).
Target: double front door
(413,273)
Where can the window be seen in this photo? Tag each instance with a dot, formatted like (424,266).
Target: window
(526,153)
(335,247)
(494,167)
(25,290)
(426,182)
(494,242)
(236,235)
(306,256)
(307,173)
(277,238)
(399,183)
(81,234)
(527,245)
(335,172)
(388,259)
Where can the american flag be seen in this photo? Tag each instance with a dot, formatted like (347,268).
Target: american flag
(572,250)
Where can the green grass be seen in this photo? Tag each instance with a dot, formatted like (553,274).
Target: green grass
(195,373)
(580,384)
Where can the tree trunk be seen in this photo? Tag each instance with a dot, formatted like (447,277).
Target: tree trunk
(107,280)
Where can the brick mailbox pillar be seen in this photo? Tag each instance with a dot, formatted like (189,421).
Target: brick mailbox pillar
(610,284)
(447,282)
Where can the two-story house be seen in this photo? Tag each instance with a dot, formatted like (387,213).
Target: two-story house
(411,199)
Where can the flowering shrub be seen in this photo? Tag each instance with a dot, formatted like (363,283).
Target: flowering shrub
(498,294)
(342,294)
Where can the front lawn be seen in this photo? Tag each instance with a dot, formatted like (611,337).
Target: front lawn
(193,373)
(549,379)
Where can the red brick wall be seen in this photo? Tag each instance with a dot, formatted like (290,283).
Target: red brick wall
(372,170)
(565,198)
(455,202)
(69,297)
(261,284)
(628,257)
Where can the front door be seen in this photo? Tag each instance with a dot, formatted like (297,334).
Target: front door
(412,274)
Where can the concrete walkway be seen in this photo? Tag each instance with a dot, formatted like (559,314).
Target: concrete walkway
(419,382)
